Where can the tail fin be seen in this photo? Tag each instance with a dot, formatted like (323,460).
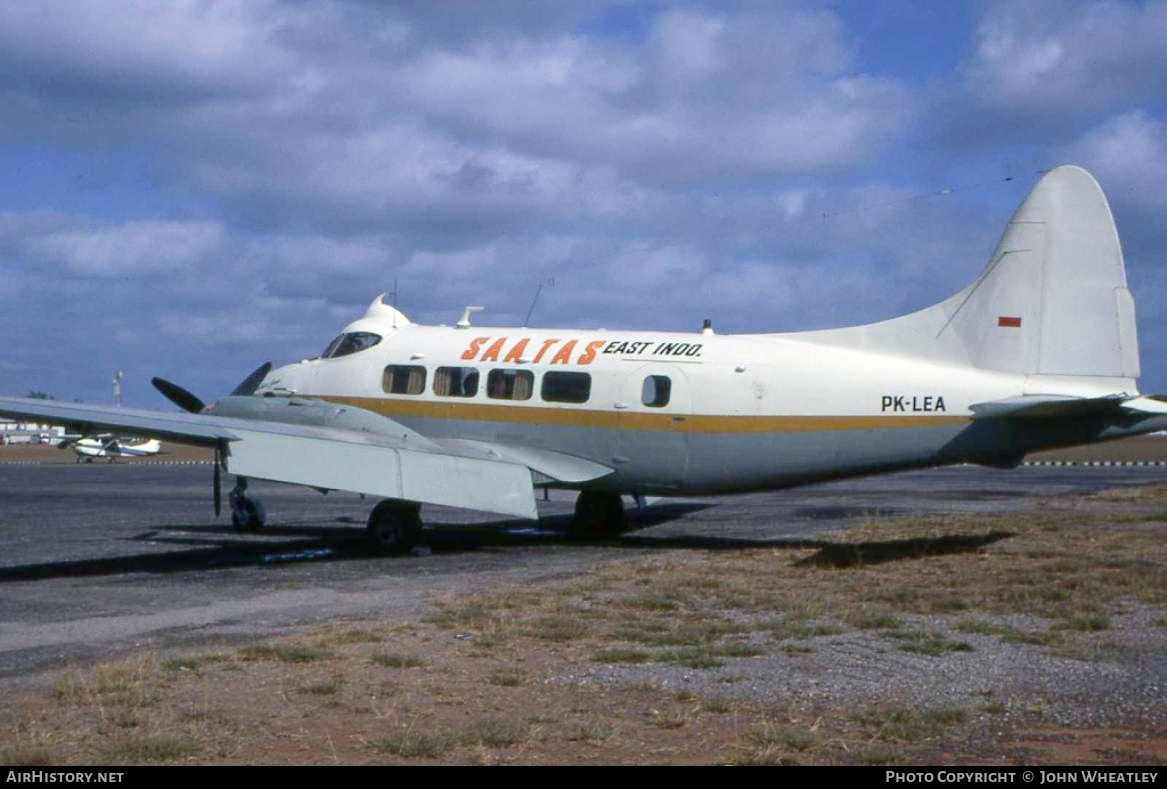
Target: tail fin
(1051,301)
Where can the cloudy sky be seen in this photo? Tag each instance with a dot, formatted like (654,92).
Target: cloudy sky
(191,188)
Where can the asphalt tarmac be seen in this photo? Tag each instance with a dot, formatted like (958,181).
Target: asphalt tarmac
(96,560)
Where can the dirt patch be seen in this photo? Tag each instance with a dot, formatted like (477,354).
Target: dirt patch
(1033,638)
(1060,745)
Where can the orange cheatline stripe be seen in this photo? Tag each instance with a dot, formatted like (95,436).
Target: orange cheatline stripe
(625,420)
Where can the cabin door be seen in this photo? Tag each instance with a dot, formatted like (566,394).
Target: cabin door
(654,408)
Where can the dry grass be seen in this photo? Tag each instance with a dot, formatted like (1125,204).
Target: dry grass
(414,745)
(286,653)
(895,723)
(395,660)
(507,678)
(193,662)
(500,675)
(149,750)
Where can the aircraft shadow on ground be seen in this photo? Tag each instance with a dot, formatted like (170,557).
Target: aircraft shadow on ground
(840,554)
(213,547)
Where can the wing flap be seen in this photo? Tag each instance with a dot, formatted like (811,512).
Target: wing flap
(392,472)
(556,466)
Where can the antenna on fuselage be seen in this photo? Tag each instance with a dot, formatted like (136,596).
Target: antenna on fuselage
(549,282)
(464,321)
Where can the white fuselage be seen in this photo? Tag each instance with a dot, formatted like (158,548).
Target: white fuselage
(718,413)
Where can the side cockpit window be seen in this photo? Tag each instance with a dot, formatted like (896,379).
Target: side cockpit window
(349,343)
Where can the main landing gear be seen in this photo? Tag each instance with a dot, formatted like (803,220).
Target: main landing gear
(247,514)
(598,513)
(394,525)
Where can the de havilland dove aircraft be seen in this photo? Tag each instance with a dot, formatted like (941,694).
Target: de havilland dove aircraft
(1040,351)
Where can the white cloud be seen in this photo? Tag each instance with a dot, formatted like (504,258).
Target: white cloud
(1068,58)
(663,163)
(345,118)
(705,98)
(1128,154)
(138,248)
(687,44)
(161,50)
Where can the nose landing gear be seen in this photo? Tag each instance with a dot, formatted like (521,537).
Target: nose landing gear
(247,514)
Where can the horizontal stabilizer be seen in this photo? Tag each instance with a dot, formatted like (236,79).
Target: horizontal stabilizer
(1046,406)
(1041,406)
(1148,405)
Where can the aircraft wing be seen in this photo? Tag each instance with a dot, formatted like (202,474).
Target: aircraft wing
(88,419)
(366,453)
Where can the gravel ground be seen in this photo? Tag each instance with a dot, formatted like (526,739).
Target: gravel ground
(965,557)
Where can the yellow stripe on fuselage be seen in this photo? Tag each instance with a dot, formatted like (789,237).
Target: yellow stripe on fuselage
(638,420)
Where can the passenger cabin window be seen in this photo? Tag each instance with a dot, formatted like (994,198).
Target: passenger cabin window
(655,391)
(456,381)
(349,343)
(510,384)
(403,379)
(566,387)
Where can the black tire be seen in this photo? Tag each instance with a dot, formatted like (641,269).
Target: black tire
(246,514)
(394,526)
(598,514)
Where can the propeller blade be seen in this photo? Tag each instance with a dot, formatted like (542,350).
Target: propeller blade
(179,396)
(218,484)
(188,402)
(249,384)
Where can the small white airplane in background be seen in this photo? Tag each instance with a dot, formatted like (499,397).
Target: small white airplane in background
(110,447)
(1040,351)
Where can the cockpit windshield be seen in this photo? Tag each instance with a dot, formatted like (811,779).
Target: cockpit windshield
(350,342)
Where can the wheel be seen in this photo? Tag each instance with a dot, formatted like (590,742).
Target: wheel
(394,526)
(598,513)
(246,514)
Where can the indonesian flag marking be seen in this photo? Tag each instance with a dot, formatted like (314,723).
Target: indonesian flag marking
(1013,323)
